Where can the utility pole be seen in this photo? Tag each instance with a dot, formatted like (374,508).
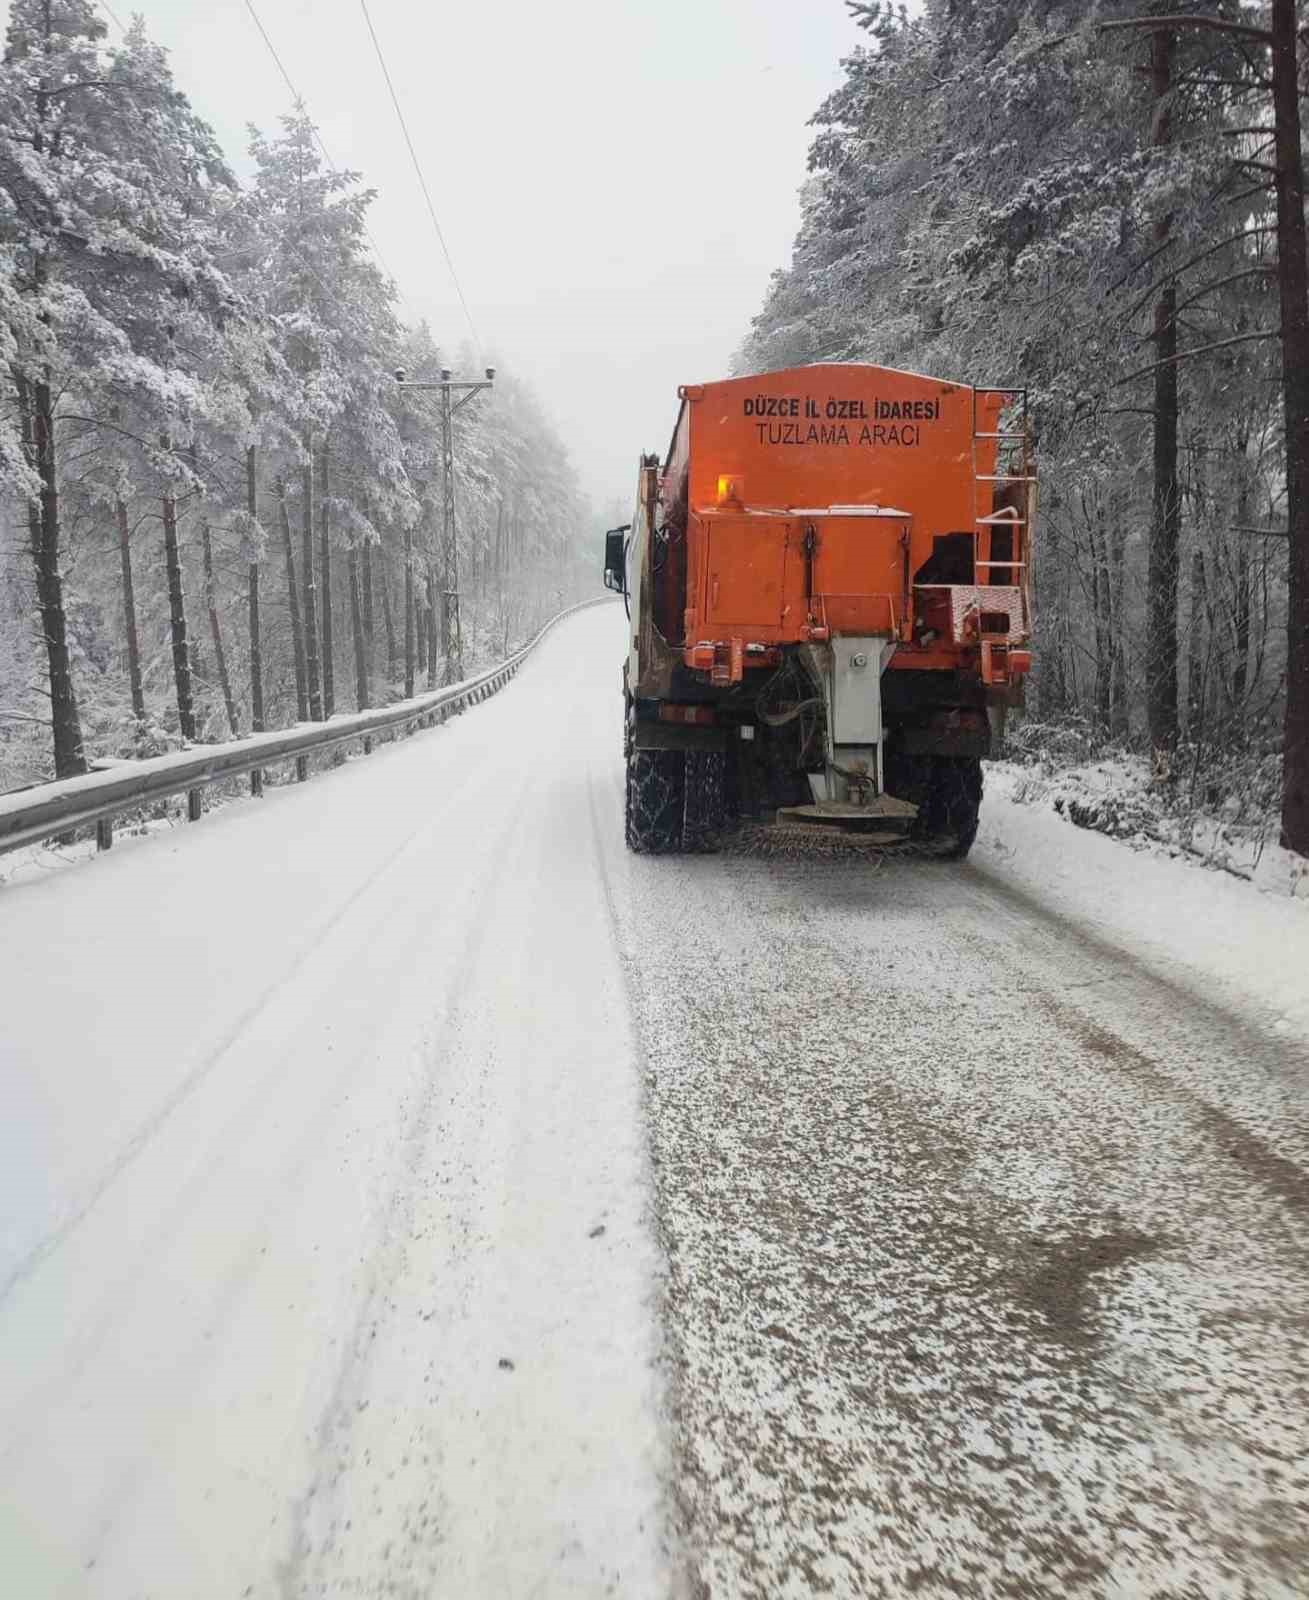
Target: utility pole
(447,388)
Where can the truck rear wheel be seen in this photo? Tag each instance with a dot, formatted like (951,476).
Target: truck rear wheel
(948,793)
(954,802)
(656,801)
(705,812)
(962,801)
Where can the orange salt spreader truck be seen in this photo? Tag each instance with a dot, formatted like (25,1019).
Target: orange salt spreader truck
(827,581)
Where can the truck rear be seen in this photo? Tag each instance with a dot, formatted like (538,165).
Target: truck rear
(827,581)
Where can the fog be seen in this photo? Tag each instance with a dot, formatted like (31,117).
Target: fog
(616,179)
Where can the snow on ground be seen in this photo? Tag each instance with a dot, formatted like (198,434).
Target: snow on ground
(1212,927)
(404,1190)
(31,863)
(35,861)
(984,1195)
(1115,795)
(324,1261)
(986,1238)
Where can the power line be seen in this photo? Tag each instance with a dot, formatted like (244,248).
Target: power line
(112,17)
(272,50)
(413,156)
(300,101)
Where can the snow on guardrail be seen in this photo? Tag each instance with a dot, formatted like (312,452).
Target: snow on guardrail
(31,815)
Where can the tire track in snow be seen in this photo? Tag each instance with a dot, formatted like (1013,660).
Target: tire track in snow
(276,1065)
(1240,1080)
(388,1253)
(955,1310)
(223,1047)
(182,1355)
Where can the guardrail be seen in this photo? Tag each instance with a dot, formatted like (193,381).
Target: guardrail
(97,798)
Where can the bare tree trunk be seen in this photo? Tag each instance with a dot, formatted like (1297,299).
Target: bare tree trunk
(216,627)
(1120,716)
(177,617)
(36,410)
(293,606)
(431,632)
(129,613)
(1048,583)
(388,620)
(252,601)
(1195,648)
(366,558)
(409,614)
(1241,624)
(1165,527)
(1293,282)
(312,678)
(497,559)
(1238,620)
(37,414)
(325,572)
(360,637)
(1103,632)
(1259,635)
(256,644)
(421,615)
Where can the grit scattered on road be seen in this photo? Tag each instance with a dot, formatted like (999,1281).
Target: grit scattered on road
(385,1164)
(987,1250)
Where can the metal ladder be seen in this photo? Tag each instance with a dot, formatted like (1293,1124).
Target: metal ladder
(983,523)
(995,653)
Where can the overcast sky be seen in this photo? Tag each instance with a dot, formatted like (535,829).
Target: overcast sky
(616,178)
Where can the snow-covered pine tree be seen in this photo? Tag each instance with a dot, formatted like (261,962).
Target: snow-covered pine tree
(1003,192)
(114,181)
(179,355)
(52,71)
(326,296)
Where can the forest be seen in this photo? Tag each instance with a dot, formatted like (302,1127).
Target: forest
(1089,201)
(222,511)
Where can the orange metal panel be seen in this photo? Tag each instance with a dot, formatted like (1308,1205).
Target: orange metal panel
(745,568)
(804,441)
(859,573)
(835,434)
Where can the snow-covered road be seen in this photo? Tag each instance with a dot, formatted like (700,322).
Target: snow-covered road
(404,1191)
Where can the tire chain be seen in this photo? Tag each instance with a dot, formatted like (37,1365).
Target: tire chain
(705,809)
(958,800)
(671,810)
(654,802)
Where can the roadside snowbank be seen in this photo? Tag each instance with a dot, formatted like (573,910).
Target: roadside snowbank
(1116,796)
(1203,927)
